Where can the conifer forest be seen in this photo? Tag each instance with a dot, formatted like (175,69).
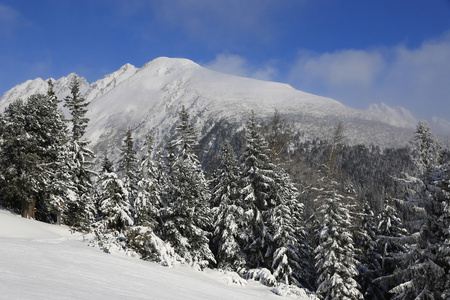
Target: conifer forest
(343,221)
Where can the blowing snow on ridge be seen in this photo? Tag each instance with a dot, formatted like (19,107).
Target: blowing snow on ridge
(149,98)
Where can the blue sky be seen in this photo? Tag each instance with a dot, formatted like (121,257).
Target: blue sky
(356,51)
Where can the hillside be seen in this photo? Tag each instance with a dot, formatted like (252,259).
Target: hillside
(43,261)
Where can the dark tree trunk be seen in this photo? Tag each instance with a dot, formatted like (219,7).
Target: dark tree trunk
(27,209)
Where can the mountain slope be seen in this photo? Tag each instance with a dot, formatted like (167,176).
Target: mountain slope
(149,98)
(43,261)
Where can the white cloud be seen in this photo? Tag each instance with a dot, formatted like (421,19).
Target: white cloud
(339,69)
(239,66)
(422,72)
(418,79)
(229,64)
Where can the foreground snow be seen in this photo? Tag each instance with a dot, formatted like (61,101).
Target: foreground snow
(43,261)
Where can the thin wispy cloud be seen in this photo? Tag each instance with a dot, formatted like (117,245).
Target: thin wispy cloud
(9,20)
(239,66)
(216,22)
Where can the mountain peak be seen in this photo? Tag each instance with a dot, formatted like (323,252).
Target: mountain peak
(127,66)
(23,90)
(166,65)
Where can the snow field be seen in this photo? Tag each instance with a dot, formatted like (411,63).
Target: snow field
(44,261)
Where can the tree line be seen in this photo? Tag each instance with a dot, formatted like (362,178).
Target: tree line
(345,222)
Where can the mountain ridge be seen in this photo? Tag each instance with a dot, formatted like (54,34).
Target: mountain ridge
(149,98)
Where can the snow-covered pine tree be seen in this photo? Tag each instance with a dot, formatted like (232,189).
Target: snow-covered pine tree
(441,203)
(148,201)
(290,262)
(335,261)
(32,145)
(128,167)
(107,165)
(51,132)
(429,149)
(77,106)
(18,161)
(115,210)
(80,204)
(186,214)
(367,254)
(228,213)
(391,246)
(292,251)
(258,196)
(425,267)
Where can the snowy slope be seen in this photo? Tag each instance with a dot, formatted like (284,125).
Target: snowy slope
(43,261)
(149,98)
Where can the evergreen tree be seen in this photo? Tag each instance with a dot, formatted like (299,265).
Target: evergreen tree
(186,215)
(274,234)
(115,208)
(57,182)
(291,253)
(80,207)
(257,180)
(19,162)
(32,156)
(128,166)
(425,267)
(77,106)
(290,262)
(228,213)
(390,241)
(428,147)
(148,201)
(107,165)
(335,261)
(368,255)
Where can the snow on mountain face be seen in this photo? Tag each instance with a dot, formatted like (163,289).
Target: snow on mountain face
(397,116)
(149,98)
(39,86)
(110,81)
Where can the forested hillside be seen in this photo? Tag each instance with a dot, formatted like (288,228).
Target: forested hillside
(340,220)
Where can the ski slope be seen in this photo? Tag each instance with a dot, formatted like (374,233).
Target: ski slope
(44,261)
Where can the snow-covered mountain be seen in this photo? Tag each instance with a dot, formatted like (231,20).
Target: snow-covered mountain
(149,98)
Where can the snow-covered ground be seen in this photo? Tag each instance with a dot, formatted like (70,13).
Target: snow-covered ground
(44,261)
